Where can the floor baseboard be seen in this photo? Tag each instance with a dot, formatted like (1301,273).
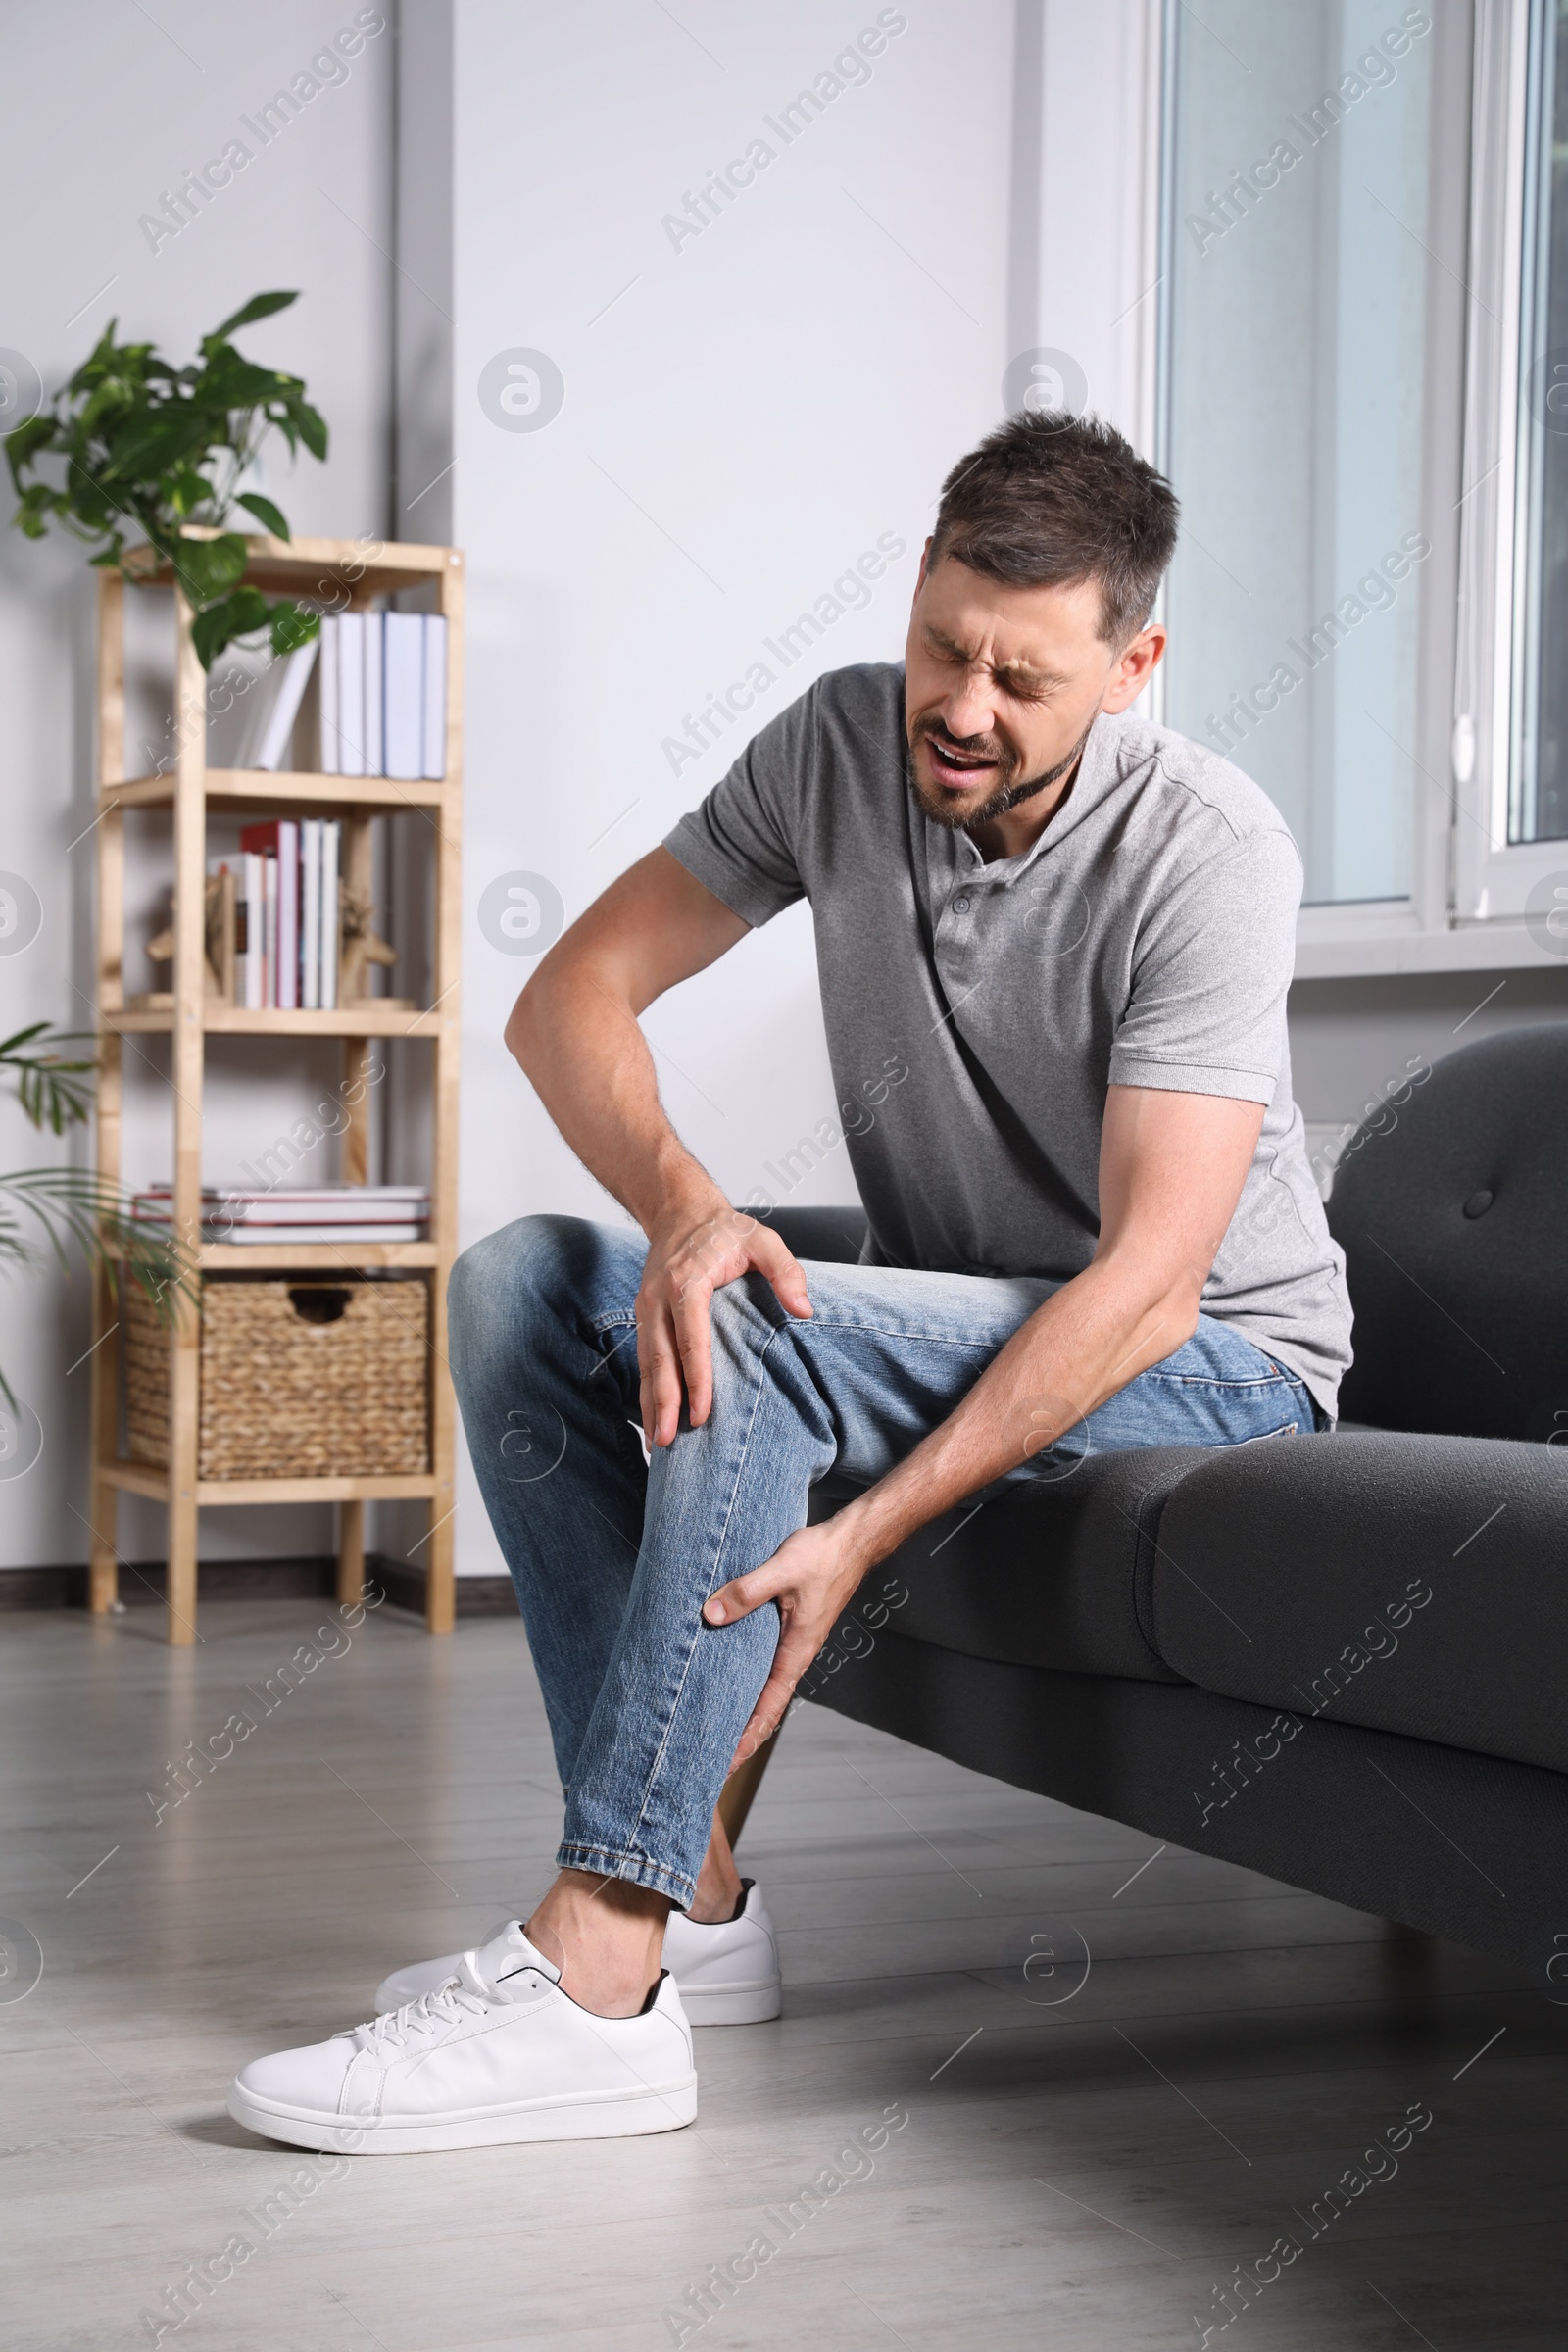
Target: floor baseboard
(142,1585)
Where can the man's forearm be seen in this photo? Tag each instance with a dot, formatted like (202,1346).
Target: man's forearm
(590,1067)
(1090,1337)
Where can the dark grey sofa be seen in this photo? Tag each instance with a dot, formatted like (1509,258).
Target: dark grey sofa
(1337,1659)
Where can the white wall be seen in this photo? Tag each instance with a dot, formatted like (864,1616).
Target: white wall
(745,410)
(102,110)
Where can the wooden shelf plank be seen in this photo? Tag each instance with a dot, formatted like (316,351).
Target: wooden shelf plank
(410,1486)
(137,1478)
(141,1478)
(364,566)
(246,787)
(280,1258)
(238,1020)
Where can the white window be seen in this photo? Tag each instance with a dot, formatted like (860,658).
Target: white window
(1511,712)
(1364,409)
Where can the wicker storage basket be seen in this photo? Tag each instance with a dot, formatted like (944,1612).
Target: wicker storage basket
(299,1379)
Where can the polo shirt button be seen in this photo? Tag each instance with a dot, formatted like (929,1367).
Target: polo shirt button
(961,905)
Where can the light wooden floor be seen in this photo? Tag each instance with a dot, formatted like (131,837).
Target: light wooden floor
(1085,2159)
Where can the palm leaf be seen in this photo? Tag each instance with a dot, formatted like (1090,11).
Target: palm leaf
(47,1081)
(74,1207)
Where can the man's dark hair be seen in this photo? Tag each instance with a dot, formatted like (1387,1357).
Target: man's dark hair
(1049,498)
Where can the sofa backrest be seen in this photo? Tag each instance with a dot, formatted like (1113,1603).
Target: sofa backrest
(1450,1206)
(830,1235)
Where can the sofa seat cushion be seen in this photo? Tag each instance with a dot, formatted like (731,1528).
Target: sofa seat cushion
(1417,1583)
(1050,1573)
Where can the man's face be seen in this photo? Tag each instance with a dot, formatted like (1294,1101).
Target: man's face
(1002,684)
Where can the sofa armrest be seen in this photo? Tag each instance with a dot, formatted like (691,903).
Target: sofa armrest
(1417,1583)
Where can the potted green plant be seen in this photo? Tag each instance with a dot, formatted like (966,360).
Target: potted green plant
(134,444)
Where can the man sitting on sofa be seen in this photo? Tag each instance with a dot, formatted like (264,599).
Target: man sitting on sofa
(1054,942)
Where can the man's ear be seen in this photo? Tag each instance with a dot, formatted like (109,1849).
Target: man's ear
(1138,661)
(925,560)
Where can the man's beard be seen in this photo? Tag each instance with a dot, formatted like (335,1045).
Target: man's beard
(1011,791)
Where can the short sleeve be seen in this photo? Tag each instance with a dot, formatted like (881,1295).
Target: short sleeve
(743,842)
(1212,973)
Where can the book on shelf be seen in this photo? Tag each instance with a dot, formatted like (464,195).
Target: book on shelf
(289,1213)
(251,976)
(351,691)
(327,752)
(404,692)
(276,1203)
(383,695)
(287,928)
(433,699)
(375,693)
(269,931)
(256,1235)
(273,707)
(331,848)
(311,913)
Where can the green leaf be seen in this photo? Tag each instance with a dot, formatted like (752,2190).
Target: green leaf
(313,428)
(147,444)
(260,305)
(48,1082)
(232,382)
(293,626)
(26,441)
(210,568)
(237,616)
(264,513)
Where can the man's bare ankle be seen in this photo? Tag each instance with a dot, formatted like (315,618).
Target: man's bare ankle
(605,1936)
(716,1899)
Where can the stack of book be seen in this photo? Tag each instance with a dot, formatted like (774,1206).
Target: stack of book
(384,696)
(286,929)
(328,1212)
(381,707)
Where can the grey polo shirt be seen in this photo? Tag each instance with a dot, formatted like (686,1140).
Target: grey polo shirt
(976,1013)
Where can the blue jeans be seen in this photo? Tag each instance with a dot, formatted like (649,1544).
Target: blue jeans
(613,1558)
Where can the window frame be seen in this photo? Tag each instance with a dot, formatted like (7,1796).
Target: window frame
(1494,877)
(1468,885)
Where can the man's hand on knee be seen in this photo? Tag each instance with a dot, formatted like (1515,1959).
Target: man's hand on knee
(812,1576)
(692,1254)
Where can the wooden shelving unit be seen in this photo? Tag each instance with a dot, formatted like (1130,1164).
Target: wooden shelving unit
(339,571)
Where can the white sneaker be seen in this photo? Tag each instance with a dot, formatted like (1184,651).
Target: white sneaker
(497,2053)
(727,1974)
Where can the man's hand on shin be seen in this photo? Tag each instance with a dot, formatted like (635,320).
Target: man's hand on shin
(813,1576)
(692,1250)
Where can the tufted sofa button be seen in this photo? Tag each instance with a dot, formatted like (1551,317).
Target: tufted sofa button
(1478,1204)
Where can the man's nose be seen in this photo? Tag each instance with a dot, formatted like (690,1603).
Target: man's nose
(967,712)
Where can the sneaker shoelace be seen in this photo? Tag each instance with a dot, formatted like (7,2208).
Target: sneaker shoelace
(446,2006)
